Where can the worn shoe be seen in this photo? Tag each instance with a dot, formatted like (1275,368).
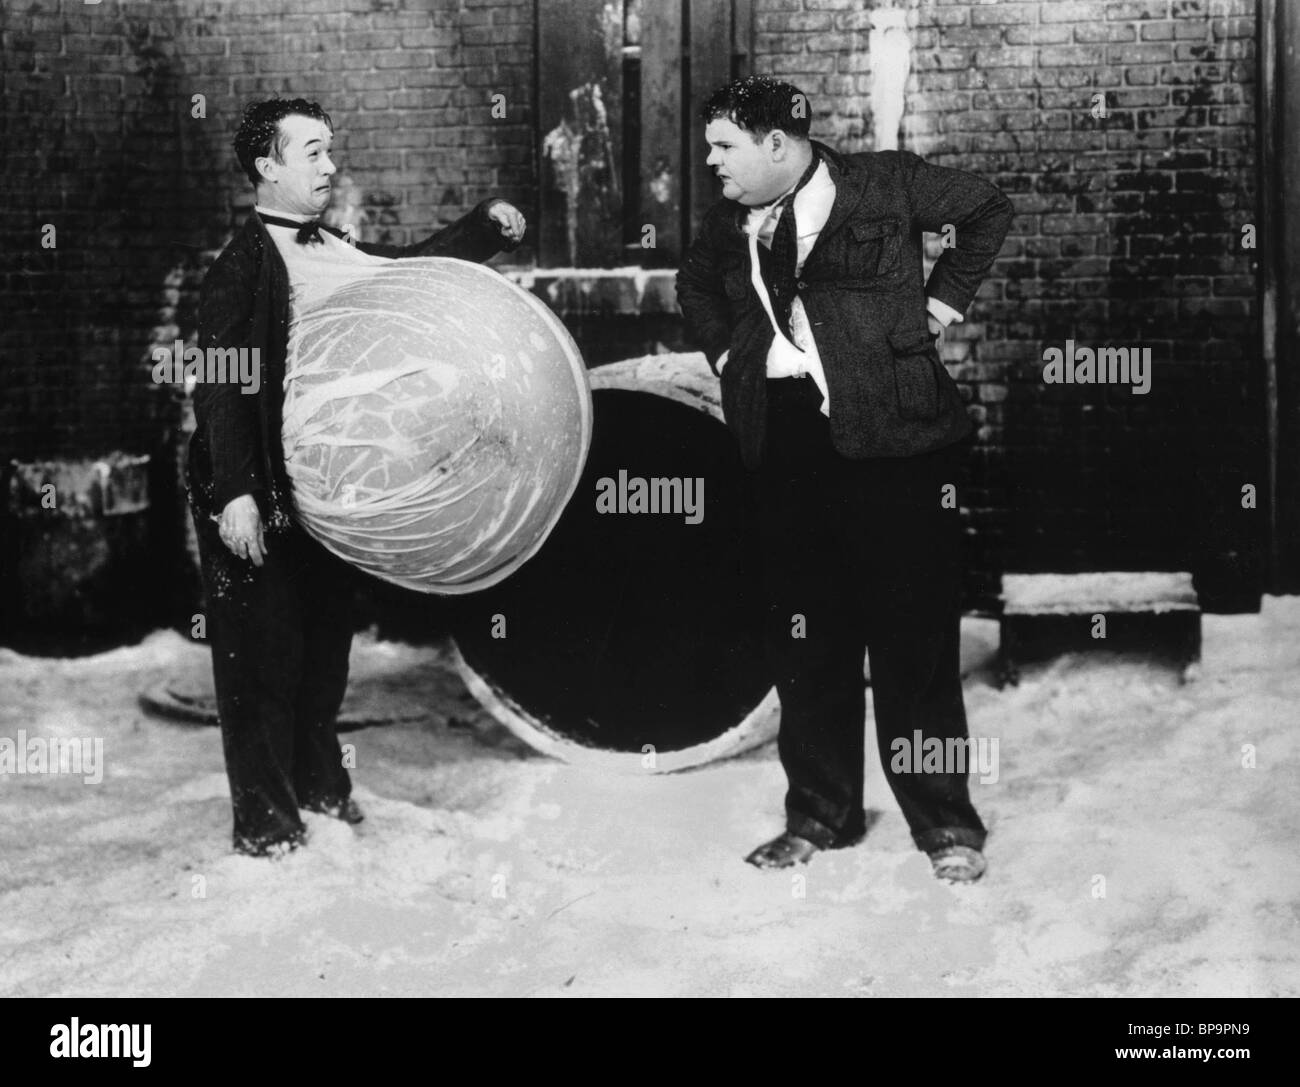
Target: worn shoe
(783,851)
(347,810)
(273,848)
(958,864)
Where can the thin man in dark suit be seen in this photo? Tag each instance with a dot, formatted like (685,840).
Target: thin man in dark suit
(805,289)
(277,601)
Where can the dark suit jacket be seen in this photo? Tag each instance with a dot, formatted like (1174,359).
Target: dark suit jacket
(244,303)
(863,290)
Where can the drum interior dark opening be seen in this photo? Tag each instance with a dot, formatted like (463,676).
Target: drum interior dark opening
(630,629)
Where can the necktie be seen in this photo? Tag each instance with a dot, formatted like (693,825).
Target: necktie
(308,232)
(781,266)
(778,270)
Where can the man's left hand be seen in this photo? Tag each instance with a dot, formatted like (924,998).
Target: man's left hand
(509,220)
(936,326)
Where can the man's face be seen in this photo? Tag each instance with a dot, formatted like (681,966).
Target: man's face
(747,170)
(301,183)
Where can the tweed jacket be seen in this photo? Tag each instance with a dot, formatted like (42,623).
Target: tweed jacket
(864,291)
(244,303)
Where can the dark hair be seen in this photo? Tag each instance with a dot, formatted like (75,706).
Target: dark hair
(759,104)
(259,132)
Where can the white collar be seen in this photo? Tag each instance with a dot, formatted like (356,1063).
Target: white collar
(812,195)
(821,177)
(299,219)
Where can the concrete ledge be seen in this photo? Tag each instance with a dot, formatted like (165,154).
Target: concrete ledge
(630,291)
(1113,591)
(1154,614)
(115,485)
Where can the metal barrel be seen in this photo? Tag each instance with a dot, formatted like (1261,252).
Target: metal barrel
(633,640)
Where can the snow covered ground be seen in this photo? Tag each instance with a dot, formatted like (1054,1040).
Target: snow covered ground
(1134,850)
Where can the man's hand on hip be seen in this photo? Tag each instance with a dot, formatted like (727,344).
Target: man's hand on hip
(241,529)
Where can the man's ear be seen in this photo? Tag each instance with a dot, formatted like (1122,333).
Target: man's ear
(780,144)
(266,166)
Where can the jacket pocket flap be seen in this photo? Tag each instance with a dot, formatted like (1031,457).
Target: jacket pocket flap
(864,229)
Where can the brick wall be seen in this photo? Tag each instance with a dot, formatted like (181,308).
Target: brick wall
(102,143)
(1128,233)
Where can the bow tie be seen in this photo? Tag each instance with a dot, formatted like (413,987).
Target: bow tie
(308,232)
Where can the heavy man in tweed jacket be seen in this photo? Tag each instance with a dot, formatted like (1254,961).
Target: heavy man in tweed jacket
(805,289)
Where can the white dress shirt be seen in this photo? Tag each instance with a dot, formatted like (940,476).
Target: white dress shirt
(316,270)
(798,355)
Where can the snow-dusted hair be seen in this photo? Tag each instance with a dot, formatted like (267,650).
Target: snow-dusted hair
(758,104)
(259,134)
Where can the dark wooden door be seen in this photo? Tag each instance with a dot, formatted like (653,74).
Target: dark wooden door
(620,85)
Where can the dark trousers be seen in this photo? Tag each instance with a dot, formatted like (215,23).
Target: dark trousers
(861,557)
(280,636)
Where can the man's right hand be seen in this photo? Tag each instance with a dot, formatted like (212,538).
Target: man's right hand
(241,529)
